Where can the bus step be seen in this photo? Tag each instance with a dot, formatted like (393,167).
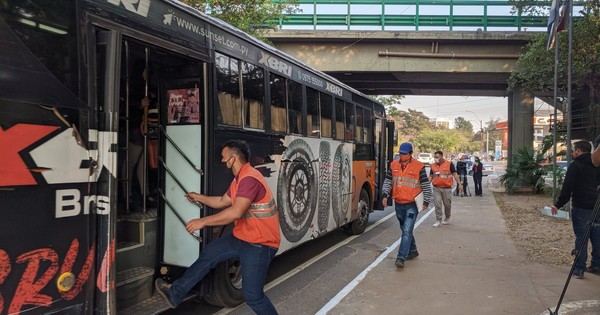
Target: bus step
(154,305)
(134,285)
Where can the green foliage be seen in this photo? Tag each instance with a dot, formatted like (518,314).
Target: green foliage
(391,102)
(535,67)
(460,123)
(251,16)
(412,123)
(525,170)
(441,139)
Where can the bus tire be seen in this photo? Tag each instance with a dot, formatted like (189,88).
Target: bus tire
(226,285)
(324,184)
(297,190)
(359,225)
(340,185)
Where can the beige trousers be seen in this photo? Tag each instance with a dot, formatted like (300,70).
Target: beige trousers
(442,196)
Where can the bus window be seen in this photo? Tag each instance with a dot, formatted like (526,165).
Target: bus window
(348,132)
(295,108)
(228,91)
(339,119)
(254,95)
(278,117)
(326,115)
(368,127)
(312,112)
(359,124)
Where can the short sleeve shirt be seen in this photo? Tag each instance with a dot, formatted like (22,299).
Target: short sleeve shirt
(250,188)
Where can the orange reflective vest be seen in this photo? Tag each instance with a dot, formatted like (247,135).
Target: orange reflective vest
(260,223)
(405,183)
(442,177)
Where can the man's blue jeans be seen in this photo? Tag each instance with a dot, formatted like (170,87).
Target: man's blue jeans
(407,216)
(254,259)
(580,219)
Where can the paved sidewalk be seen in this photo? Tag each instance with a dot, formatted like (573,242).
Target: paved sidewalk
(471,266)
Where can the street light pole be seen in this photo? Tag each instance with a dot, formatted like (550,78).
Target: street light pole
(481,128)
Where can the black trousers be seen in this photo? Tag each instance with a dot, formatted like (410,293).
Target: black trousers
(477,178)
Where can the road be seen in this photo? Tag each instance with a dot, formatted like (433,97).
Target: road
(304,279)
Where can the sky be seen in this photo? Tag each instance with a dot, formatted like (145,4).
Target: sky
(471,108)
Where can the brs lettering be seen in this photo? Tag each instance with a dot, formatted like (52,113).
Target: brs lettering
(68,203)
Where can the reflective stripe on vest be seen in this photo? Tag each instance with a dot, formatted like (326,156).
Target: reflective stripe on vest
(405,183)
(444,178)
(261,210)
(260,223)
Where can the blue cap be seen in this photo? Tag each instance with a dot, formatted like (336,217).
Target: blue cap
(405,148)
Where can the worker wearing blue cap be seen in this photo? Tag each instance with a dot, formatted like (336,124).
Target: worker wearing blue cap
(405,180)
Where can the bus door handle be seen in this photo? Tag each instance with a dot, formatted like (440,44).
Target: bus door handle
(195,234)
(176,180)
(196,168)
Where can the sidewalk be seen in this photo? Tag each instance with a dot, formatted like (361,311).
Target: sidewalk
(468,267)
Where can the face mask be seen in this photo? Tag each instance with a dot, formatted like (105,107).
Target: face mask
(404,158)
(437,160)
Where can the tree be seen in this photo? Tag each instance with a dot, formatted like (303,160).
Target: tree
(535,67)
(390,102)
(461,124)
(412,123)
(251,16)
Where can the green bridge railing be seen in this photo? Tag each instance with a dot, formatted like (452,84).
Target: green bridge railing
(323,14)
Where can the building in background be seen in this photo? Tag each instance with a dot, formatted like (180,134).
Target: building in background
(441,122)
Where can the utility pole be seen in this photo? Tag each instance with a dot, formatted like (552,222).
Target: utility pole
(481,128)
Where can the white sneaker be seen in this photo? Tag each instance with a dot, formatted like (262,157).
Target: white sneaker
(437,223)
(445,222)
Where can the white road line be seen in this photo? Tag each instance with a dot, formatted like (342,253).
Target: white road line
(350,286)
(309,262)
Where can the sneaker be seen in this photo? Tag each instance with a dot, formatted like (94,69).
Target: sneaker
(591,269)
(445,222)
(412,255)
(164,290)
(437,223)
(578,274)
(399,263)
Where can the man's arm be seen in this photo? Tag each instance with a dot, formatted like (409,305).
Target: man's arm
(425,187)
(387,187)
(215,202)
(567,187)
(596,153)
(223,217)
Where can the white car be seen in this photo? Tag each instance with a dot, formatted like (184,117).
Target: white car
(426,158)
(487,169)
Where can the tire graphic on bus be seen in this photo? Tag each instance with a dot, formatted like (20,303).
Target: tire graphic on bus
(324,184)
(340,185)
(297,190)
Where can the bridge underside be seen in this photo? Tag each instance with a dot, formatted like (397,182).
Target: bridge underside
(426,83)
(410,63)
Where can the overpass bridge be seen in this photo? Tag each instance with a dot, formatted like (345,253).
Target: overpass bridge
(410,63)
(420,63)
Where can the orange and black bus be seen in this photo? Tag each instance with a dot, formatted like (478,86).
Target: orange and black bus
(110,110)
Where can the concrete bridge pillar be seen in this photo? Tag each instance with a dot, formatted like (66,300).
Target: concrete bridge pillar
(520,121)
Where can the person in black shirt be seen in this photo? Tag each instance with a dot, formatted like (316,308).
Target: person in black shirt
(581,187)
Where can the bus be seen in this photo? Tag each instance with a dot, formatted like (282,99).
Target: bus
(111,110)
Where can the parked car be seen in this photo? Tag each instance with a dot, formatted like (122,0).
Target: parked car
(426,158)
(487,169)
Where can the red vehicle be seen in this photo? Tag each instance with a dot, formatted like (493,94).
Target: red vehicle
(111,110)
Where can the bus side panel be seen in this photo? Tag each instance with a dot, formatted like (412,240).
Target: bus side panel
(46,252)
(299,171)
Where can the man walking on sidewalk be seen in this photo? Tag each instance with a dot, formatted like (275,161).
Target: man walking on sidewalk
(441,175)
(405,180)
(581,186)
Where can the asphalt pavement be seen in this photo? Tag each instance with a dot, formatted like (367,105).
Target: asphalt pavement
(470,266)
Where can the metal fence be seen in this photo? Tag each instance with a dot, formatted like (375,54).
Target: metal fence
(416,15)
